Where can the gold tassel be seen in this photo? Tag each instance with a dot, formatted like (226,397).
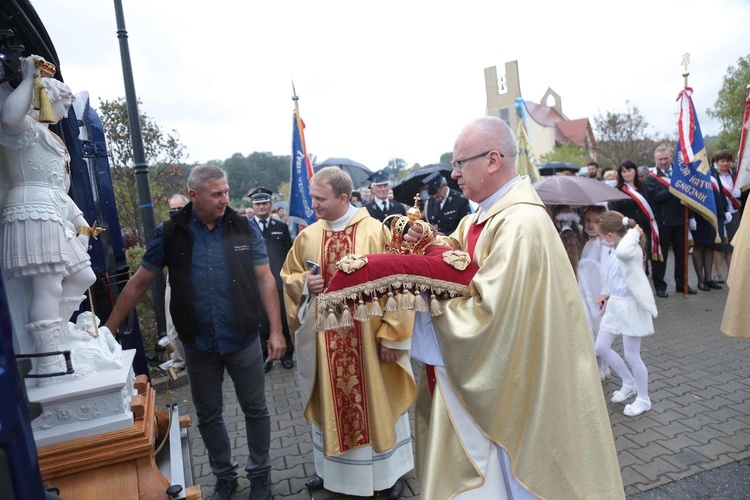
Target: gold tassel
(320,323)
(346,317)
(419,304)
(435,308)
(331,323)
(360,314)
(375,309)
(405,304)
(41,99)
(390,305)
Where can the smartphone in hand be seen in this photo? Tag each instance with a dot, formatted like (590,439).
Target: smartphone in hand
(311,264)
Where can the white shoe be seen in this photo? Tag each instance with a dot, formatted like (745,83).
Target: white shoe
(623,394)
(637,407)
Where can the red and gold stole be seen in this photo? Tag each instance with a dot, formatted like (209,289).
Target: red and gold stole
(344,355)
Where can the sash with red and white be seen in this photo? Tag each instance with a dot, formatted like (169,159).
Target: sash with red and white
(722,190)
(662,180)
(646,209)
(728,195)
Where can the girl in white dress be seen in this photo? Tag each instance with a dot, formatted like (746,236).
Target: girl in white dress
(628,305)
(591,276)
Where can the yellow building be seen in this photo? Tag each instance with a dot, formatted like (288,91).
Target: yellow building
(547,124)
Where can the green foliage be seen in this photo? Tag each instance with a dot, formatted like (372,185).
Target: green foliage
(395,166)
(145,307)
(569,152)
(446,157)
(163,152)
(622,136)
(729,107)
(256,169)
(406,172)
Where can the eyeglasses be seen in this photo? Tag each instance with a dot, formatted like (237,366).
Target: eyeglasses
(458,165)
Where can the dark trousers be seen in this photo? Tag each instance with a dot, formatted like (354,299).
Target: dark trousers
(673,236)
(206,374)
(265,330)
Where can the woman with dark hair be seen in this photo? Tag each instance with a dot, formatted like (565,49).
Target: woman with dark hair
(638,207)
(705,237)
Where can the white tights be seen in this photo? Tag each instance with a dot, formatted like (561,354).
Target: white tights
(632,348)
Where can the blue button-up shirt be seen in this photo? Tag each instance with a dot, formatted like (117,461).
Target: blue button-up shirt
(216,325)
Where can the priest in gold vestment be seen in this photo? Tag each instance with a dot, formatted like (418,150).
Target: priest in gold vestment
(736,320)
(510,404)
(357,382)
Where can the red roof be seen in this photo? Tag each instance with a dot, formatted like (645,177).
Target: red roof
(565,130)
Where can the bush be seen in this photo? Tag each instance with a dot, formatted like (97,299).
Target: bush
(145,307)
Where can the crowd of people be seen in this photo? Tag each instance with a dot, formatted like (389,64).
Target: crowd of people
(488,417)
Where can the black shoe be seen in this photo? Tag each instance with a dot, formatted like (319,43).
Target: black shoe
(314,483)
(704,286)
(223,490)
(287,363)
(267,366)
(397,489)
(662,293)
(260,487)
(715,285)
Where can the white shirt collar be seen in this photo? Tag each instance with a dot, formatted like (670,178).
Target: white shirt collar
(485,205)
(343,221)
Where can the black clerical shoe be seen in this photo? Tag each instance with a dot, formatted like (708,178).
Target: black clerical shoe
(662,293)
(397,489)
(314,483)
(715,285)
(287,363)
(704,286)
(267,366)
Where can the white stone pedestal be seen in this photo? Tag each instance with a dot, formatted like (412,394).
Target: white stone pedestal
(83,407)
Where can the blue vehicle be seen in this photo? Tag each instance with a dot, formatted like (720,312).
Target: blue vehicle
(22,34)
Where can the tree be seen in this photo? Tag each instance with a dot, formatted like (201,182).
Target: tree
(395,166)
(253,170)
(446,157)
(164,153)
(729,107)
(568,152)
(622,136)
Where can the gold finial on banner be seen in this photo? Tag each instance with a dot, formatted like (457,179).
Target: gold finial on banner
(685,62)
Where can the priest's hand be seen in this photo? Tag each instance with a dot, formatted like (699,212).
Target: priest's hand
(414,234)
(388,355)
(315,282)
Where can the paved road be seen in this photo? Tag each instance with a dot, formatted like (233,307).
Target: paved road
(700,420)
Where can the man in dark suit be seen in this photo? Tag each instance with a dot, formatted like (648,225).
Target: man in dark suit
(381,206)
(446,207)
(278,243)
(670,216)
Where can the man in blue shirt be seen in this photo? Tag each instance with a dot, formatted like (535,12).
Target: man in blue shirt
(219,274)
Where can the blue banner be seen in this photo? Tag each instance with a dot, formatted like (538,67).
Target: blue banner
(691,170)
(300,201)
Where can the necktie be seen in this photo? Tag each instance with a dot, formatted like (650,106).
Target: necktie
(265,226)
(385,206)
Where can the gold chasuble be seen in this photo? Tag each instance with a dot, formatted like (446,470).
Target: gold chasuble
(519,357)
(353,398)
(736,320)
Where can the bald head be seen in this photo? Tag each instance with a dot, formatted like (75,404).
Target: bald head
(493,143)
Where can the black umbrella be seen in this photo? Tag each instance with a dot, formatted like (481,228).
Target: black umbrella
(358,172)
(405,189)
(553,167)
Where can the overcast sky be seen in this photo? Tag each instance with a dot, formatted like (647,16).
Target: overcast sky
(389,79)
